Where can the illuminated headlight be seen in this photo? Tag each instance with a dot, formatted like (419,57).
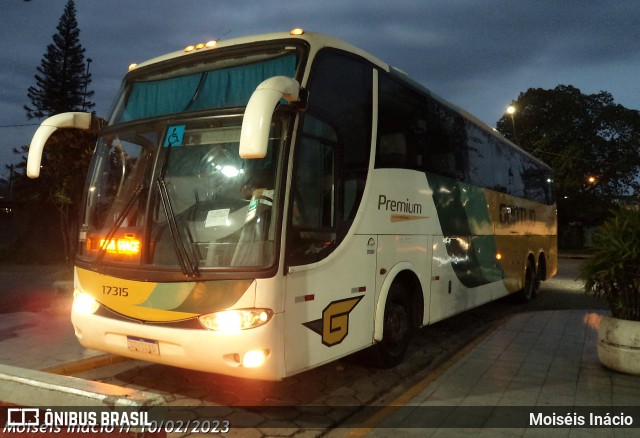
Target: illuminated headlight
(235,320)
(84,303)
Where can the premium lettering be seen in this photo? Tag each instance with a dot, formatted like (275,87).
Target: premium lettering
(398,206)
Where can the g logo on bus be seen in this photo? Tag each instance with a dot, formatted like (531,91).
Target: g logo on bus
(334,325)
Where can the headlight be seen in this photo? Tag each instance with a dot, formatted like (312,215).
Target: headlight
(84,303)
(235,320)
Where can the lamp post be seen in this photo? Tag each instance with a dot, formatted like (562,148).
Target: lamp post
(511,110)
(86,82)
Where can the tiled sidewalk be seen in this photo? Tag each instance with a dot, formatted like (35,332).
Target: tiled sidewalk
(40,340)
(543,360)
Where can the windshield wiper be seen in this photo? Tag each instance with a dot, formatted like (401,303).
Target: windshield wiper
(188,263)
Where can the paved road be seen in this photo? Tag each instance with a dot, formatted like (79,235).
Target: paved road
(336,389)
(350,382)
(28,288)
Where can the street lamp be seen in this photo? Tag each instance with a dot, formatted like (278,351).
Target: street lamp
(511,110)
(86,82)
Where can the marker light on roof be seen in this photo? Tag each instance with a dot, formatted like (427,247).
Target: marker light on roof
(132,66)
(207,45)
(297,31)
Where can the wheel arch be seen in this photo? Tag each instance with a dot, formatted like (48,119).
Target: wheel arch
(403,273)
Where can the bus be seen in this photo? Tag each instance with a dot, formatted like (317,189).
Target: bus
(264,205)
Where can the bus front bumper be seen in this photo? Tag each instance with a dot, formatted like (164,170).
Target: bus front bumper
(256,353)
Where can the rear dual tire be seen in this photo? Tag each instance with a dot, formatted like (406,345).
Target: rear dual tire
(529,291)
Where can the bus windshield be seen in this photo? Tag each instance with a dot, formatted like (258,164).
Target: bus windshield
(211,84)
(168,190)
(177,194)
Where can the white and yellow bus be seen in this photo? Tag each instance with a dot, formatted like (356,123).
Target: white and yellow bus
(264,205)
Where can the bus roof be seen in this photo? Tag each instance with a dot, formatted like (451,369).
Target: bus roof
(316,41)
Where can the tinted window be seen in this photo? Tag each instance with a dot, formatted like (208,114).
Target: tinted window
(415,131)
(331,159)
(480,169)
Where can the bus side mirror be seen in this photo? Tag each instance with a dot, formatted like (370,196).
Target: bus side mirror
(78,120)
(256,124)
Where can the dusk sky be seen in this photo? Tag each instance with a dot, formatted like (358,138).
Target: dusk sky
(479,54)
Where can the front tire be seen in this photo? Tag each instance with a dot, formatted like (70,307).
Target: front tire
(396,331)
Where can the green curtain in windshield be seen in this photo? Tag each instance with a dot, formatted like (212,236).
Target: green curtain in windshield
(222,88)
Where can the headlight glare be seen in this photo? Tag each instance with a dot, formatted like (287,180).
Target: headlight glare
(84,303)
(235,320)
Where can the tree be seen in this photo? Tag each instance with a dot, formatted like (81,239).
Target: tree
(63,76)
(592,144)
(61,86)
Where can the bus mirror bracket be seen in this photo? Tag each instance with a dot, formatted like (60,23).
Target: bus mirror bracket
(78,120)
(256,124)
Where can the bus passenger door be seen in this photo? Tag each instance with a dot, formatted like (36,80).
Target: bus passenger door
(330,279)
(330,269)
(329,306)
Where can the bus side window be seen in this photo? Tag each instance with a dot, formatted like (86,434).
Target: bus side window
(446,141)
(443,163)
(392,151)
(331,158)
(399,127)
(313,186)
(313,204)
(418,132)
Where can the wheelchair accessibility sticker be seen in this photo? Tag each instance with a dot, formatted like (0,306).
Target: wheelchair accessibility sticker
(175,135)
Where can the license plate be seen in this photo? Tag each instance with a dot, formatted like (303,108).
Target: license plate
(142,345)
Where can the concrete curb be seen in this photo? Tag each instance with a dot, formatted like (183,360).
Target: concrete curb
(90,363)
(571,256)
(24,387)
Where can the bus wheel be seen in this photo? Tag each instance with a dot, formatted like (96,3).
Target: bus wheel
(396,331)
(530,281)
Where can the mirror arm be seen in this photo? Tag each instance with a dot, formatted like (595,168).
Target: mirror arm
(256,123)
(78,120)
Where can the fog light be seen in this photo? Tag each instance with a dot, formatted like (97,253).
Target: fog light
(254,358)
(84,303)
